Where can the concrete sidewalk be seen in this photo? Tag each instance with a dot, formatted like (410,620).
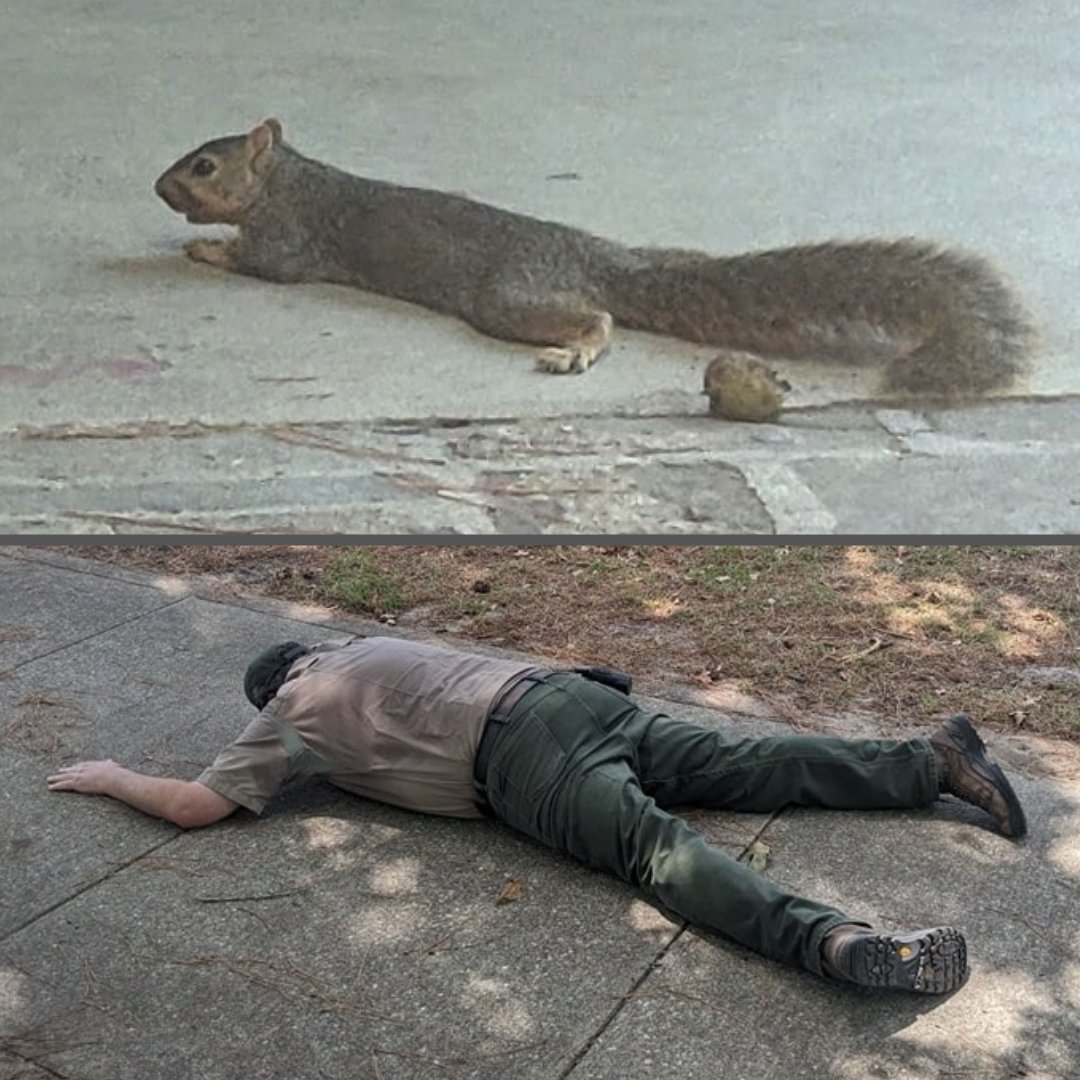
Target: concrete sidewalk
(141,392)
(337,938)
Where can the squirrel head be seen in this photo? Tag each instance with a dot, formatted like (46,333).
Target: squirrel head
(218,182)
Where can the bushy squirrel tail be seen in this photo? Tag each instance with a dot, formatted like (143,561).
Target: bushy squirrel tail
(945,322)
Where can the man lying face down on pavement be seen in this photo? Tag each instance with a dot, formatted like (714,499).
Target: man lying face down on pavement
(568,758)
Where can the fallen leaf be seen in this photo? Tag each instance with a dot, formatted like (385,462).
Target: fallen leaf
(759,856)
(513,889)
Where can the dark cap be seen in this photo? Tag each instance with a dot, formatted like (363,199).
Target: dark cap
(267,671)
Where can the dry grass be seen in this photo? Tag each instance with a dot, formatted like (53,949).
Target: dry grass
(906,634)
(39,724)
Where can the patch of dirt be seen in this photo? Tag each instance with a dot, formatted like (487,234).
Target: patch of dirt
(904,634)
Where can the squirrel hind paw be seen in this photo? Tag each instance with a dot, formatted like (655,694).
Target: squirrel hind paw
(565,361)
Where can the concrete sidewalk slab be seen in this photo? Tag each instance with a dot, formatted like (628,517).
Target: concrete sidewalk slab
(80,606)
(337,937)
(377,939)
(722,129)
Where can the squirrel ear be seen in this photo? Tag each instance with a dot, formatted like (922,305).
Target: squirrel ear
(260,142)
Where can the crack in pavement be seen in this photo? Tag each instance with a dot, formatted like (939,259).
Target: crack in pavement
(87,886)
(8,1047)
(684,926)
(419,425)
(97,633)
(118,521)
(193,429)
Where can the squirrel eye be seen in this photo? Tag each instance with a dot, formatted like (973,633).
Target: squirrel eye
(203,166)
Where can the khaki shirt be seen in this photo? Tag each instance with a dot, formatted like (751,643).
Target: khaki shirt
(390,719)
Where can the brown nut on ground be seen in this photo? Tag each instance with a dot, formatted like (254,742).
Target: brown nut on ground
(741,387)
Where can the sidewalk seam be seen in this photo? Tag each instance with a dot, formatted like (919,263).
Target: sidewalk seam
(275,607)
(112,872)
(590,1042)
(31,1062)
(97,633)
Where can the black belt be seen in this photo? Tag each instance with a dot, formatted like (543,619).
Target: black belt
(497,718)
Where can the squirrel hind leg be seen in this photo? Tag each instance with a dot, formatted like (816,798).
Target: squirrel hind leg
(580,350)
(575,334)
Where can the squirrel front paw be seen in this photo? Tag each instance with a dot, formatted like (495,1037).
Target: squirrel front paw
(214,252)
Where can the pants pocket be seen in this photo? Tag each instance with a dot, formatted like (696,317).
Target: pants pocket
(525,767)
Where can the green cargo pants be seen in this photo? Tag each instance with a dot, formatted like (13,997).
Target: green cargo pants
(582,769)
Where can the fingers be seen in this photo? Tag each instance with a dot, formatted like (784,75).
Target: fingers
(65,779)
(78,777)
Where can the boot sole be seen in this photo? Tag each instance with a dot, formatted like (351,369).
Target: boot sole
(959,727)
(924,961)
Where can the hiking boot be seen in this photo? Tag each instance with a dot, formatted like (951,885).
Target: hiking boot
(966,772)
(921,961)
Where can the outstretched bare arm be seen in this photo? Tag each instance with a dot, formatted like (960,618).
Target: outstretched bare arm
(186,803)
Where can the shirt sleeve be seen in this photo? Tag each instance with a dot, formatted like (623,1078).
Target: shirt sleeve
(252,769)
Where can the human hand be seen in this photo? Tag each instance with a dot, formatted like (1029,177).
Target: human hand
(89,777)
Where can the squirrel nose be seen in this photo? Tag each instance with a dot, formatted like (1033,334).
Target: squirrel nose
(166,192)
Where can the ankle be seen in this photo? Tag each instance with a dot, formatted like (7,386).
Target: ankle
(831,943)
(942,761)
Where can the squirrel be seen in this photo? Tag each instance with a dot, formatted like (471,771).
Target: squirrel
(946,324)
